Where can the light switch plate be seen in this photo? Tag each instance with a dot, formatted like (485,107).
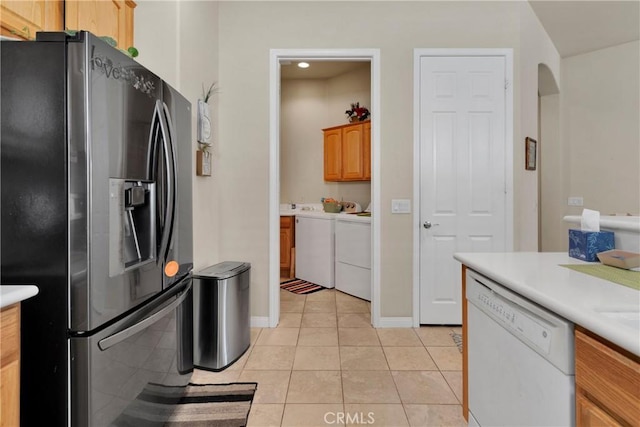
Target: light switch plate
(400,206)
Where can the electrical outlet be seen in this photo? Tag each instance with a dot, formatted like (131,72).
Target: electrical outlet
(576,201)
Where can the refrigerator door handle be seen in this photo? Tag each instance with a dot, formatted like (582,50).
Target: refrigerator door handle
(122,335)
(169,164)
(172,148)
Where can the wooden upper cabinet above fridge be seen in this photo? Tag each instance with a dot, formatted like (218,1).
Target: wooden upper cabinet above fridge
(112,18)
(24,18)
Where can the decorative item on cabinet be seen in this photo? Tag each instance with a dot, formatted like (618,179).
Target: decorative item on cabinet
(131,50)
(357,113)
(347,152)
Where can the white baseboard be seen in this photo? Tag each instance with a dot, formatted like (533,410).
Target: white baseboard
(396,322)
(259,321)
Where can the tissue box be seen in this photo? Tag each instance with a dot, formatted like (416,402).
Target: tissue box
(585,245)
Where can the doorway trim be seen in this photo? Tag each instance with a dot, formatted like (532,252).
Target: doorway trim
(507,53)
(275,56)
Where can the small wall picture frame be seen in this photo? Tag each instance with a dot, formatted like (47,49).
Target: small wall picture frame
(203,163)
(530,149)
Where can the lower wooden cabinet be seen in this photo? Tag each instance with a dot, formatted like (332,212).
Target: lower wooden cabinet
(607,383)
(287,243)
(589,414)
(10,366)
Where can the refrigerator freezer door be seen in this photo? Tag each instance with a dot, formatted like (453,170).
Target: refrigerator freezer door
(113,237)
(111,368)
(180,247)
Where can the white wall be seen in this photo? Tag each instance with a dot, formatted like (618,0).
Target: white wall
(598,110)
(178,41)
(248,32)
(303,110)
(535,48)
(342,90)
(552,194)
(600,106)
(156,37)
(308,106)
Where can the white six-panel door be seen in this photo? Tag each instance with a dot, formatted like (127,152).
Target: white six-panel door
(462,173)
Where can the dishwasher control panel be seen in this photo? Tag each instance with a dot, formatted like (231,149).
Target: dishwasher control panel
(512,317)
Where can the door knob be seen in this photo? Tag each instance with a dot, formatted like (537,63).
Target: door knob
(428,225)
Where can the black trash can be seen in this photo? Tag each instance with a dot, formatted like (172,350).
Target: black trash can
(221,316)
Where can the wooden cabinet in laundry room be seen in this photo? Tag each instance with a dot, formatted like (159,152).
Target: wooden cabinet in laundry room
(366,149)
(287,243)
(347,152)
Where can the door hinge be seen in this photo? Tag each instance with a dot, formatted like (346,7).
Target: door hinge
(506,84)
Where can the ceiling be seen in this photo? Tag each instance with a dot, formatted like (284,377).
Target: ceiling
(318,69)
(577,27)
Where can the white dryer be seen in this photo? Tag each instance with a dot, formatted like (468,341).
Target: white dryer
(353,255)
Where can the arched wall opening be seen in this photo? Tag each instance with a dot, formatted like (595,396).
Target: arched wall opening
(551,172)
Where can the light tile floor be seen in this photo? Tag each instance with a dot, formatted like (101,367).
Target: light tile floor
(324,365)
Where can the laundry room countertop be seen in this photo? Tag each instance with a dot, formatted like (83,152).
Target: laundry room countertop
(605,308)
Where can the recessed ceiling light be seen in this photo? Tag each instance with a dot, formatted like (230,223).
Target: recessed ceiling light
(303,64)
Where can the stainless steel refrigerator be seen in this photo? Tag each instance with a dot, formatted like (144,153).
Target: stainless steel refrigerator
(97,212)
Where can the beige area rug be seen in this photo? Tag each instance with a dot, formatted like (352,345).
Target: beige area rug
(211,405)
(300,287)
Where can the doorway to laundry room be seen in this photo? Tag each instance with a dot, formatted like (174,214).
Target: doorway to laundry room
(312,137)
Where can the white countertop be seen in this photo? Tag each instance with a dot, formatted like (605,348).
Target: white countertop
(578,297)
(11,294)
(324,215)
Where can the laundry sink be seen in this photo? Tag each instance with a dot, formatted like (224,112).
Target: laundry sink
(630,318)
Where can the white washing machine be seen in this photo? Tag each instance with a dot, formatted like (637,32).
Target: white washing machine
(315,248)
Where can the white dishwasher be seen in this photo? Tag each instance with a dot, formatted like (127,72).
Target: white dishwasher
(315,249)
(521,363)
